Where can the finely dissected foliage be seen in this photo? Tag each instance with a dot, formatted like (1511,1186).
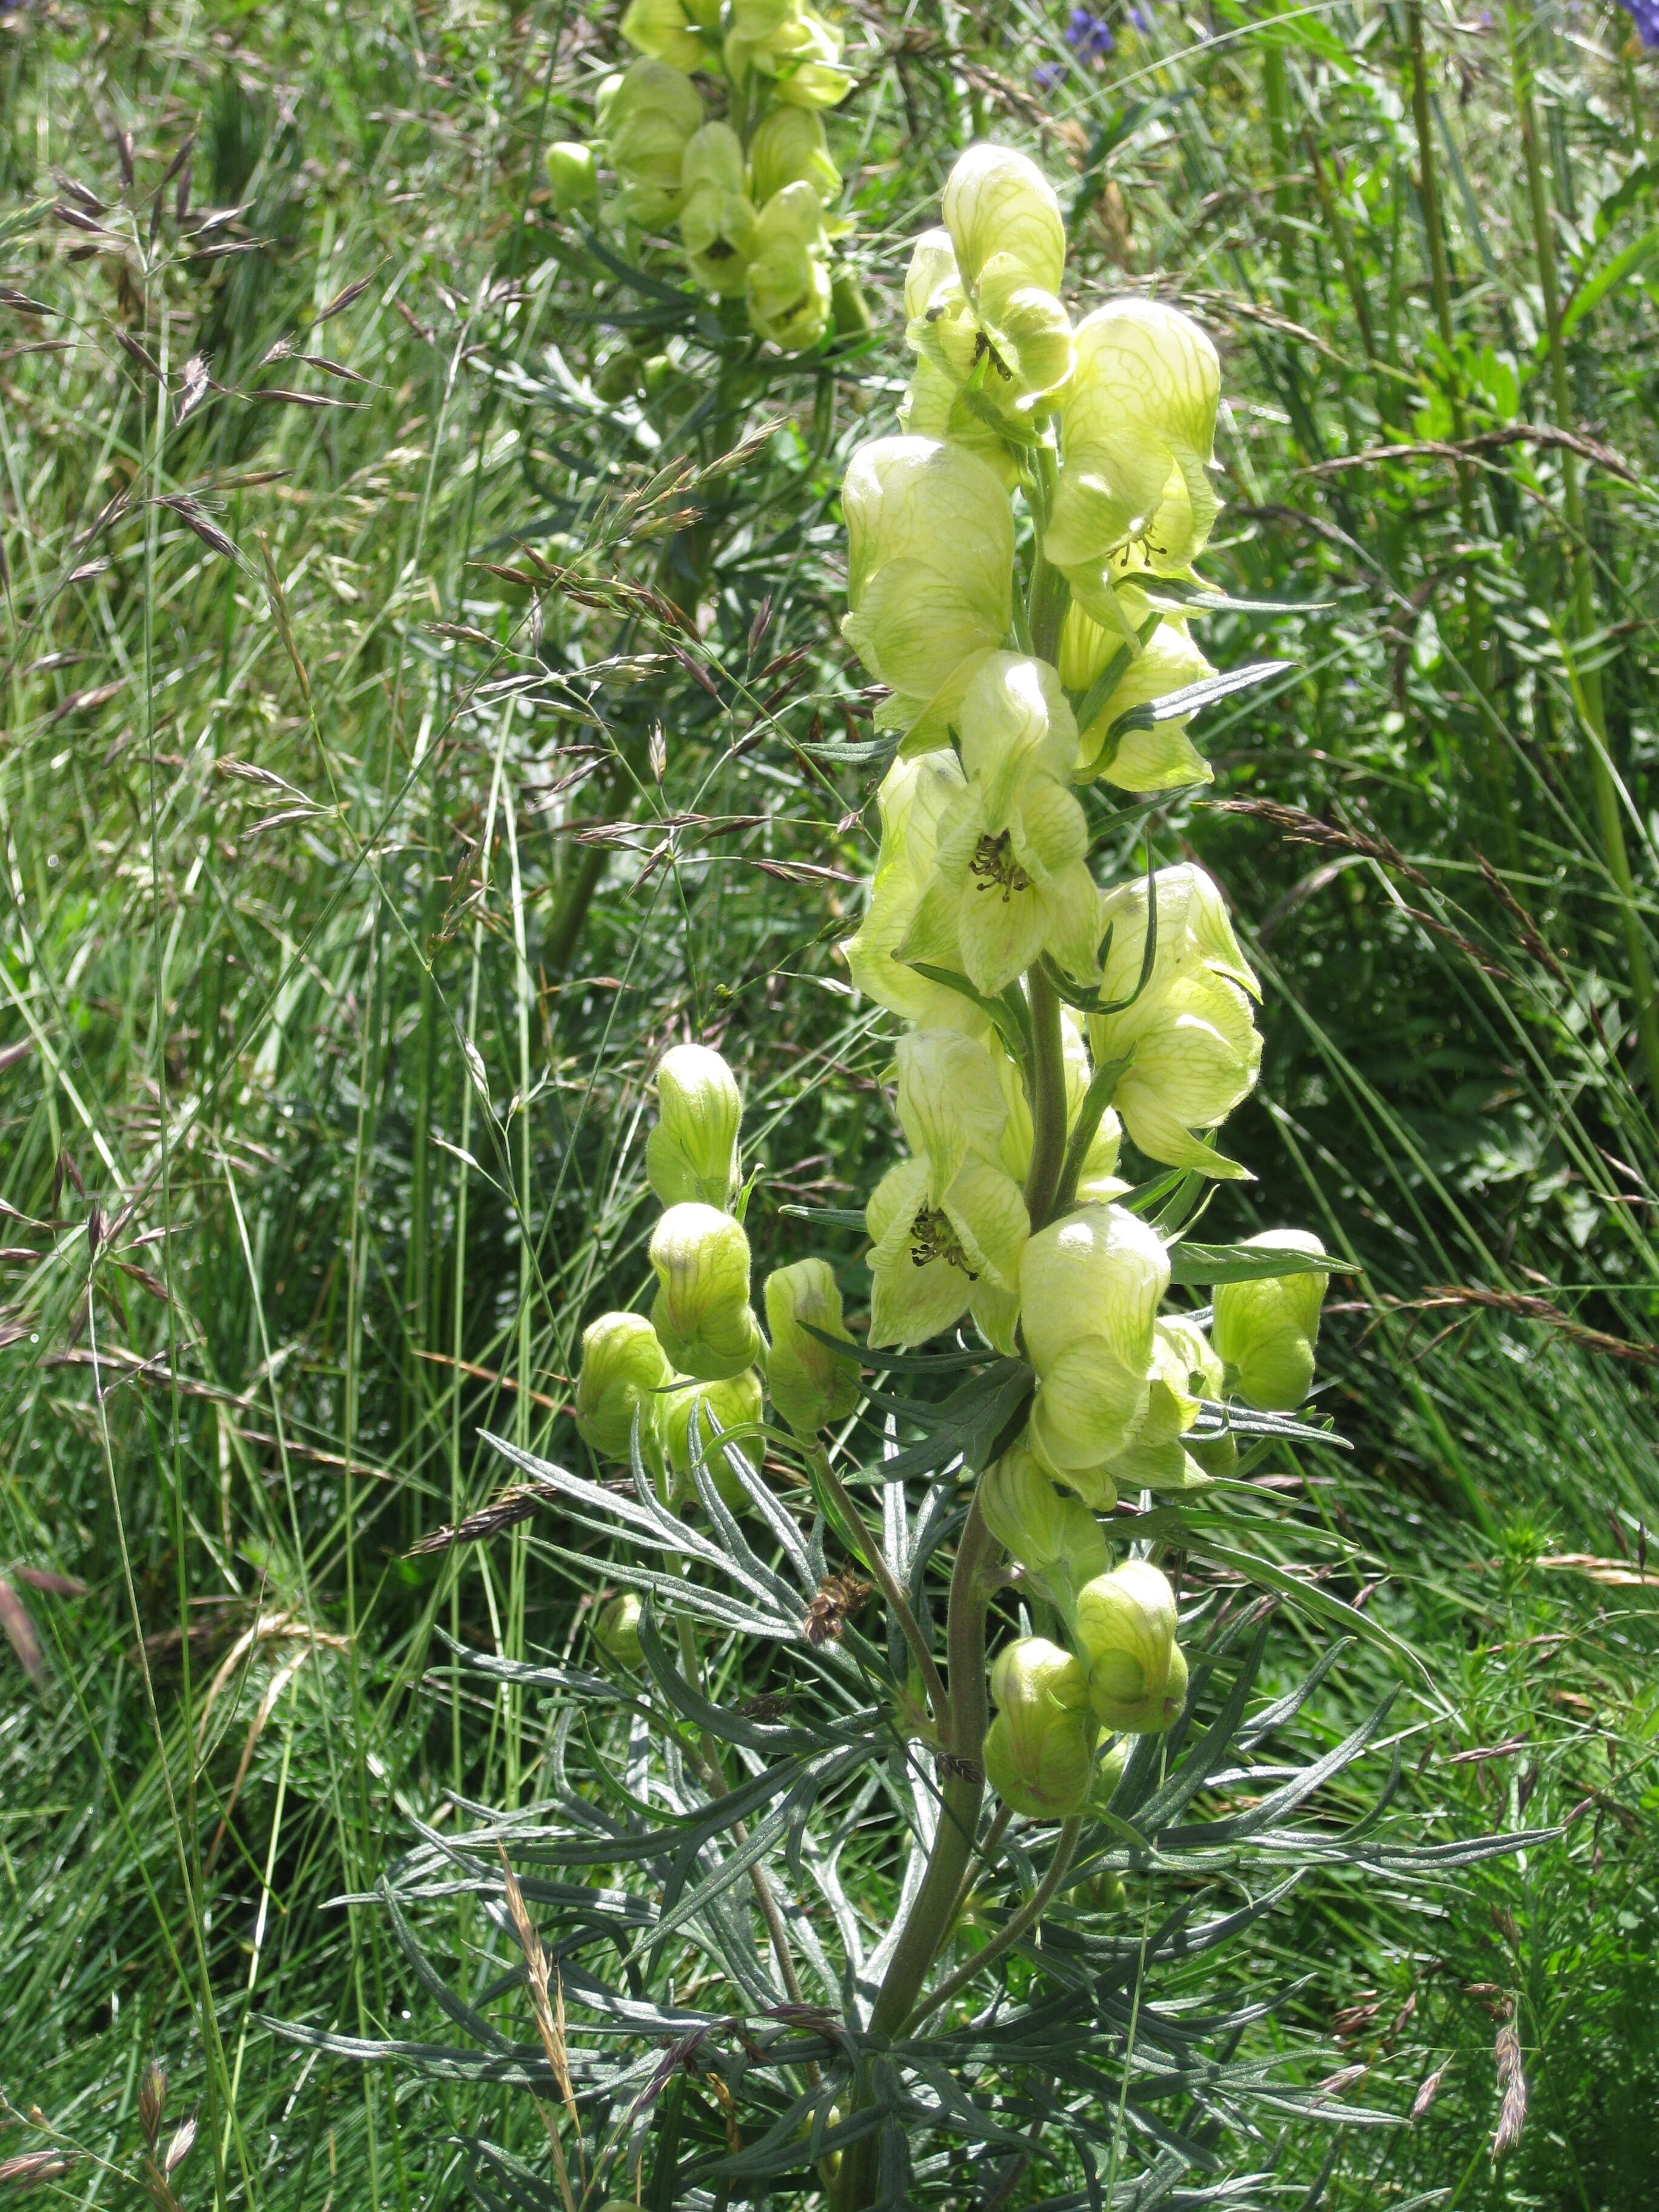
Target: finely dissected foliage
(391,988)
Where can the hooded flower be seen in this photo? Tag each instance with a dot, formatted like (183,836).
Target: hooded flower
(1266,1331)
(717,219)
(914,798)
(1196,1050)
(1011,881)
(650,117)
(930,553)
(1158,1458)
(1162,758)
(787,287)
(949,1223)
(623,1367)
(789,148)
(1055,1537)
(810,1384)
(1039,1749)
(663,29)
(1139,429)
(1090,1286)
(701,1314)
(734,1408)
(1125,1629)
(794,46)
(997,205)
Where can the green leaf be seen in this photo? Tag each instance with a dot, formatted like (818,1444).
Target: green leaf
(1247,1263)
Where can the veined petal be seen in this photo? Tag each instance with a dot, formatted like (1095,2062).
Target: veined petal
(950,1104)
(1087,1408)
(988,1211)
(1000,918)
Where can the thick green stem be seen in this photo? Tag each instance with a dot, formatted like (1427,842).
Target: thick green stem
(963,1792)
(1008,1935)
(1588,680)
(1047,1098)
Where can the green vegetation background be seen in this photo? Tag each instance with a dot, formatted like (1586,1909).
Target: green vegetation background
(343,921)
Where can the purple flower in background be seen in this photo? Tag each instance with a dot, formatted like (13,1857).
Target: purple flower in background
(1050,74)
(1138,17)
(1644,14)
(1091,35)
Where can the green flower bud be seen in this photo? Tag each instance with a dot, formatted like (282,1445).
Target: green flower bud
(692,1153)
(737,1404)
(1196,1049)
(789,148)
(717,221)
(651,116)
(1038,1750)
(914,798)
(661,29)
(701,1314)
(1011,881)
(788,287)
(810,1384)
(1138,426)
(623,1367)
(930,550)
(1090,1286)
(1126,1627)
(1056,1538)
(1162,758)
(794,46)
(617,1629)
(999,202)
(1264,1332)
(573,175)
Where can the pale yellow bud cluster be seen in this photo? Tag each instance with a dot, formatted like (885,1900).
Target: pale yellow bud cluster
(751,209)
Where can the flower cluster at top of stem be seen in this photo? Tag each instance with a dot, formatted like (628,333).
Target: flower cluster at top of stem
(750,191)
(1049,1017)
(699,1367)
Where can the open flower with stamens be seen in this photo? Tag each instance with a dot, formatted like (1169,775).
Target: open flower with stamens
(948,1224)
(1162,758)
(915,797)
(1011,882)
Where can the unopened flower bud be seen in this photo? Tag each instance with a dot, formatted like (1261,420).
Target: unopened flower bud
(810,1384)
(998,202)
(1057,1538)
(651,116)
(789,148)
(717,219)
(1126,1626)
(692,1153)
(732,1408)
(701,1313)
(623,1367)
(573,175)
(787,287)
(1264,1332)
(1038,1750)
(617,1629)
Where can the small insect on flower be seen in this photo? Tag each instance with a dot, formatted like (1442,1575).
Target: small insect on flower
(837,1600)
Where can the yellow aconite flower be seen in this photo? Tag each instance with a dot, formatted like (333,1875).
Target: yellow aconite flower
(810,1384)
(662,28)
(1266,1332)
(717,221)
(787,289)
(692,1153)
(1089,1288)
(573,173)
(1053,1536)
(1099,1180)
(930,552)
(998,202)
(649,118)
(789,148)
(1012,880)
(914,797)
(1158,1458)
(792,45)
(701,1313)
(1039,1750)
(1125,1629)
(1196,1050)
(1138,430)
(1162,758)
(624,1365)
(735,1405)
(931,409)
(948,1224)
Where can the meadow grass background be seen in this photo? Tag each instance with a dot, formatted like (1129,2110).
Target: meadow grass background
(352,887)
